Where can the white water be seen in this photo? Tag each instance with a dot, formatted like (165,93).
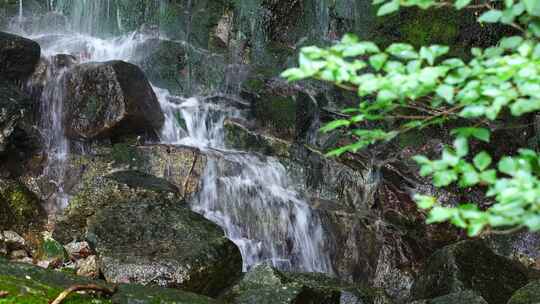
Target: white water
(248,195)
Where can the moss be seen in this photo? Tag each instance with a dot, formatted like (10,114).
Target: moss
(51,249)
(277,113)
(126,154)
(21,209)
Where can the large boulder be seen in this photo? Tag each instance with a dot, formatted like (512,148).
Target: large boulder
(18,56)
(109,99)
(266,285)
(169,245)
(143,232)
(25,283)
(461,297)
(99,188)
(529,294)
(469,265)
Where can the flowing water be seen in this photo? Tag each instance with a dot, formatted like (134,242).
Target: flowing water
(249,195)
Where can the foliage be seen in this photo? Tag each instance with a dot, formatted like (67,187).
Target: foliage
(417,88)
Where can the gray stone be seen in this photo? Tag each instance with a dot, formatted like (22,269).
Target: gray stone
(166,244)
(110,99)
(18,56)
(529,294)
(88,267)
(469,265)
(462,297)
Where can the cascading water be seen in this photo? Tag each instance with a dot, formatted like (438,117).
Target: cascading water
(249,195)
(56,144)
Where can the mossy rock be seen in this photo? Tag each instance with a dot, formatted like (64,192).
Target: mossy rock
(461,297)
(239,137)
(33,285)
(20,209)
(163,243)
(50,249)
(99,188)
(529,294)
(469,265)
(266,285)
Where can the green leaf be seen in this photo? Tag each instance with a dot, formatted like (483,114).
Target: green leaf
(482,160)
(478,133)
(440,214)
(424,201)
(462,3)
(475,228)
(523,106)
(461,145)
(489,176)
(491,16)
(469,178)
(388,8)
(446,92)
(473,111)
(335,125)
(508,165)
(378,61)
(511,43)
(402,50)
(532,7)
(444,178)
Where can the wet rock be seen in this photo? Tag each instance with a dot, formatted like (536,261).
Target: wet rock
(469,265)
(529,294)
(52,252)
(162,243)
(180,67)
(18,254)
(18,56)
(98,189)
(109,99)
(265,284)
(31,284)
(20,209)
(239,137)
(15,117)
(12,240)
(78,250)
(181,166)
(88,267)
(137,179)
(523,247)
(461,297)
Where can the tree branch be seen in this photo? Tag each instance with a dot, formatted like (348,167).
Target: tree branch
(64,294)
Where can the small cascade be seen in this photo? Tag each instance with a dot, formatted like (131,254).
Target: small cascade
(93,17)
(56,145)
(21,15)
(248,195)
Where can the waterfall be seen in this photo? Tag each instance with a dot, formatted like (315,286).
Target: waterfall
(56,145)
(21,10)
(249,195)
(254,201)
(92,17)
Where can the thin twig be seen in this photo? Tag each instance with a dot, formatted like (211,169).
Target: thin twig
(184,189)
(64,294)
